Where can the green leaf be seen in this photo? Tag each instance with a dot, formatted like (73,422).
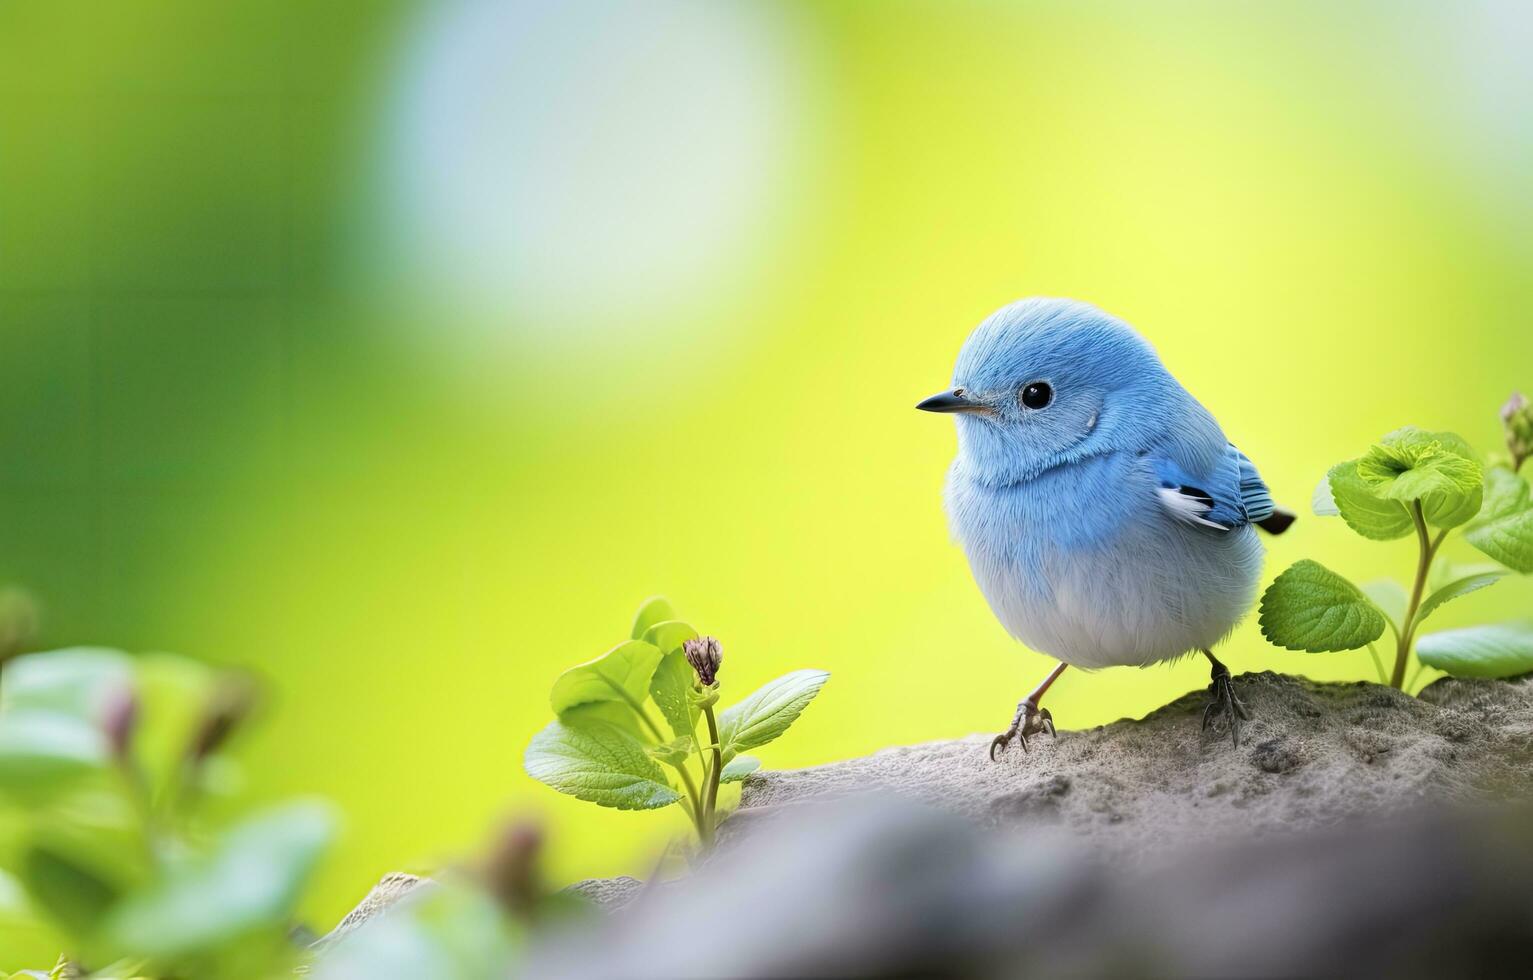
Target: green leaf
(1503,650)
(1408,464)
(738,768)
(70,893)
(1364,512)
(1453,510)
(1436,468)
(674,677)
(1449,442)
(615,713)
(1505,492)
(669,687)
(1445,570)
(42,753)
(1455,589)
(97,827)
(251,881)
(669,635)
(598,763)
(1322,501)
(621,674)
(675,752)
(21,920)
(1504,528)
(768,712)
(174,694)
(74,681)
(656,609)
(1390,597)
(1444,511)
(1309,607)
(128,968)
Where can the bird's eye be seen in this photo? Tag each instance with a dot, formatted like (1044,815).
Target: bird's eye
(1037,395)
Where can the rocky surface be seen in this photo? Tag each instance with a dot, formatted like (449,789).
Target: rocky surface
(1355,831)
(390,889)
(883,887)
(610,894)
(1310,756)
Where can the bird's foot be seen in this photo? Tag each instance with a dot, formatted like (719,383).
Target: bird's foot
(1225,702)
(1029,720)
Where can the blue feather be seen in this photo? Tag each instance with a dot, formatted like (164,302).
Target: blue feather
(1233,489)
(1253,492)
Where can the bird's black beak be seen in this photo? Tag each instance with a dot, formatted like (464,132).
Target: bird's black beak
(956,400)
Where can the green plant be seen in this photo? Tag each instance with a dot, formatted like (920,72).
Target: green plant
(117,829)
(1425,484)
(608,748)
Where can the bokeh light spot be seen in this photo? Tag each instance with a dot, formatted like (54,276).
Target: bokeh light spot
(585,167)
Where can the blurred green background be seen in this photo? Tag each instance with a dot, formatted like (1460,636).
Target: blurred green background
(398,351)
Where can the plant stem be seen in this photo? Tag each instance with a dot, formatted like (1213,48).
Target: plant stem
(1378,664)
(695,810)
(714,771)
(1428,550)
(149,819)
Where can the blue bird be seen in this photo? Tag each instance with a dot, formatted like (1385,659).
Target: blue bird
(1105,516)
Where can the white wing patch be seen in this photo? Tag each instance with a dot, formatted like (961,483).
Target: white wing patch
(1190,510)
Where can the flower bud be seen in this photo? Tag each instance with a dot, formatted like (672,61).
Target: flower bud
(1517,419)
(704,656)
(18,622)
(510,870)
(119,719)
(230,704)
(1513,405)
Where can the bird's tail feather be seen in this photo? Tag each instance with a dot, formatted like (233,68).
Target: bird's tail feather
(1278,521)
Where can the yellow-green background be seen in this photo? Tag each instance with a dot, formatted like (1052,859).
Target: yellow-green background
(245,415)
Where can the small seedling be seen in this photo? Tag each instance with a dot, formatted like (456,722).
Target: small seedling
(608,748)
(1427,484)
(116,822)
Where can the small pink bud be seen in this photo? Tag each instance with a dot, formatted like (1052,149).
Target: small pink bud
(511,868)
(1513,405)
(119,719)
(1517,419)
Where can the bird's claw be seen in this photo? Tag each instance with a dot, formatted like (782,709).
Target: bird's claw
(1029,720)
(1224,700)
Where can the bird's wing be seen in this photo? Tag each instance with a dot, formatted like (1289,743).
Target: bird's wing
(1232,494)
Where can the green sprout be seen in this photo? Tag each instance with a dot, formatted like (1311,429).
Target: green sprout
(608,748)
(1425,484)
(117,827)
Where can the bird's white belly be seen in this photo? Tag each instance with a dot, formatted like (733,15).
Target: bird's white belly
(1154,593)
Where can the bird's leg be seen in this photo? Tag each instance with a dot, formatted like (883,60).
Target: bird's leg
(1224,699)
(1029,719)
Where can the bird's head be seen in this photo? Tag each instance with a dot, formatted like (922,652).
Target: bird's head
(1045,381)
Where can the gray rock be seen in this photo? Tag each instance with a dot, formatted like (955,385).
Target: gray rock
(880,886)
(1311,756)
(390,889)
(608,894)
